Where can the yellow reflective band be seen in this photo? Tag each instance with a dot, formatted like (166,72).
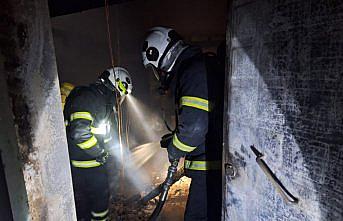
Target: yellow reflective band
(100,214)
(102,129)
(81,115)
(88,143)
(85,164)
(98,130)
(195,102)
(202,165)
(181,146)
(104,219)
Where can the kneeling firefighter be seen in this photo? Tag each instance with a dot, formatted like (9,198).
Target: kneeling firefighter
(91,126)
(196,80)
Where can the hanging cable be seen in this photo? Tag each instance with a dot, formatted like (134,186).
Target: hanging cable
(109,39)
(118,104)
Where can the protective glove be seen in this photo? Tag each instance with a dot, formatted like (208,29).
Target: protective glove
(166,140)
(174,153)
(102,158)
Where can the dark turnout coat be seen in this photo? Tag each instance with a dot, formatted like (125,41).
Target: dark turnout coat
(198,89)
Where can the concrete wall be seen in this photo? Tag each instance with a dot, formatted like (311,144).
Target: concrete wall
(285,97)
(10,154)
(33,139)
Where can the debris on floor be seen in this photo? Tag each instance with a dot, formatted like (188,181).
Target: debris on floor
(124,209)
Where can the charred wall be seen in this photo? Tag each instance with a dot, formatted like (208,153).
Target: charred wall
(32,139)
(285,96)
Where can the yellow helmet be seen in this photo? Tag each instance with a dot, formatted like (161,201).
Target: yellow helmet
(66,88)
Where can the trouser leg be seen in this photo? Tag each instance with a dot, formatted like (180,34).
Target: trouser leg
(204,199)
(80,193)
(114,170)
(214,195)
(99,194)
(196,204)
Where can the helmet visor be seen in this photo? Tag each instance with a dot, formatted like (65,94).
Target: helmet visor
(172,55)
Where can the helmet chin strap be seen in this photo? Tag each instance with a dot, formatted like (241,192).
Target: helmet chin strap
(165,80)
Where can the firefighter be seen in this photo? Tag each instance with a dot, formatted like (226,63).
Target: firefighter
(196,82)
(91,126)
(65,88)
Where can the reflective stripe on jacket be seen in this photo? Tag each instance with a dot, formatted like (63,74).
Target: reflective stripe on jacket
(90,124)
(199,97)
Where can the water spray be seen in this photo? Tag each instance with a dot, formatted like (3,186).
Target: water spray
(139,110)
(143,154)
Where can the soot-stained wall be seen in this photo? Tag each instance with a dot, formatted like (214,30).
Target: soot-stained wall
(32,131)
(285,97)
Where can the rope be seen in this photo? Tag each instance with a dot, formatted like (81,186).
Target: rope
(118,105)
(107,13)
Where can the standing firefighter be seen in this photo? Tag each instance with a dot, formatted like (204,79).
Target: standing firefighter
(91,126)
(196,80)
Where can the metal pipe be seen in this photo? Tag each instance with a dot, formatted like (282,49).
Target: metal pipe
(280,188)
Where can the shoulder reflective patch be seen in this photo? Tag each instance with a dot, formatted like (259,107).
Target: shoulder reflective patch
(195,102)
(91,142)
(181,146)
(85,164)
(203,165)
(81,115)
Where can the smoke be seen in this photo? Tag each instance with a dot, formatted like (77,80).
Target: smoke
(136,176)
(140,164)
(145,118)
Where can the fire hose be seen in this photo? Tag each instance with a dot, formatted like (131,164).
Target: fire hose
(173,176)
(155,192)
(172,169)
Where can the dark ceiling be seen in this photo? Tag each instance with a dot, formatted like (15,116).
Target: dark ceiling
(64,7)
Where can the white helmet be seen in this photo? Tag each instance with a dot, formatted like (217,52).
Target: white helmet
(161,48)
(118,79)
